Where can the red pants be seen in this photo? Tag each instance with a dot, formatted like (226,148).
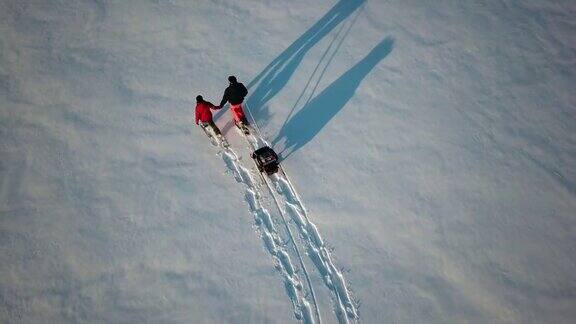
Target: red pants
(237,112)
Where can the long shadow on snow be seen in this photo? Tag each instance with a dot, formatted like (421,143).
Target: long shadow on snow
(309,120)
(275,76)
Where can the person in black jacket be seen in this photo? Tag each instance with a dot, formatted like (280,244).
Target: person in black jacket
(235,94)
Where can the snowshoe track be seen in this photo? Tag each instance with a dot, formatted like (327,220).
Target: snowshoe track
(345,308)
(316,249)
(281,244)
(273,239)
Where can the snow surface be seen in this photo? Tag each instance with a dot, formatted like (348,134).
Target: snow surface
(432,143)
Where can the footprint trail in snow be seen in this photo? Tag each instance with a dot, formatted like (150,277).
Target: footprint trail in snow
(273,239)
(344,306)
(274,228)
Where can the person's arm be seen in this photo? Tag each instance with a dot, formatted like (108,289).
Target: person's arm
(212,106)
(244,90)
(197,115)
(224,98)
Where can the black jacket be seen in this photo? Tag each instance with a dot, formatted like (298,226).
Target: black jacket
(234,94)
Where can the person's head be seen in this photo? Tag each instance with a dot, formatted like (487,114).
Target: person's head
(199,98)
(232,79)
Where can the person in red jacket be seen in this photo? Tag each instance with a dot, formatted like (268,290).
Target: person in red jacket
(204,115)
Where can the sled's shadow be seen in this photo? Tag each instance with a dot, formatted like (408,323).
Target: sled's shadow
(309,120)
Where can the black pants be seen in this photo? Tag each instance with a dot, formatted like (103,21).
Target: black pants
(213,126)
(244,121)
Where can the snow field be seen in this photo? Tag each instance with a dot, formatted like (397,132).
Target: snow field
(432,142)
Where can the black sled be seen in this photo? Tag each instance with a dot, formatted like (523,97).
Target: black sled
(266,160)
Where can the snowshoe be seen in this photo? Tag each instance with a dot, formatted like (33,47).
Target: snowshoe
(213,140)
(243,128)
(222,140)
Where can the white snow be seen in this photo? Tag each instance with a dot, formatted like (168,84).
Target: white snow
(430,148)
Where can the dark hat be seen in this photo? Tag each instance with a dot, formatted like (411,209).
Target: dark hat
(199,98)
(232,79)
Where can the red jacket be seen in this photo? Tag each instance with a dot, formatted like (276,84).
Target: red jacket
(203,112)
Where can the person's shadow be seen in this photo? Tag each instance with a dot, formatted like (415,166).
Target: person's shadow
(309,120)
(275,76)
